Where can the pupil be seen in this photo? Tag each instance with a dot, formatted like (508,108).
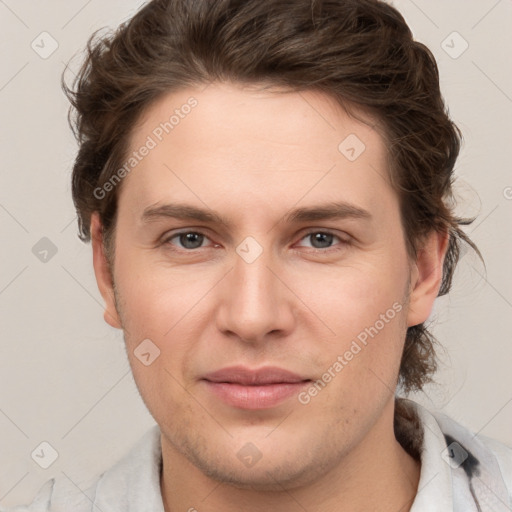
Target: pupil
(191,240)
(324,239)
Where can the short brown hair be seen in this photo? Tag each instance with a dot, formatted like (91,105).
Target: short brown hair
(359,52)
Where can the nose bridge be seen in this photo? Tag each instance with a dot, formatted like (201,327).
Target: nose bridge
(253,282)
(255,302)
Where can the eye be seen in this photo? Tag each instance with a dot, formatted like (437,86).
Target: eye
(318,240)
(187,240)
(322,239)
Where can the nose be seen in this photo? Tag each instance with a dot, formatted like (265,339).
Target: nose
(255,303)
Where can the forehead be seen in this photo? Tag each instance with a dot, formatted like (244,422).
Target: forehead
(244,148)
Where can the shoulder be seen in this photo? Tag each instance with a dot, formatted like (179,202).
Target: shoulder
(40,503)
(480,468)
(59,494)
(134,478)
(492,454)
(503,455)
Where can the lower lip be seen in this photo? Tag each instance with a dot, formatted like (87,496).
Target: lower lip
(255,397)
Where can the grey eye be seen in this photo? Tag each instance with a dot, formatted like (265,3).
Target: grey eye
(321,240)
(189,240)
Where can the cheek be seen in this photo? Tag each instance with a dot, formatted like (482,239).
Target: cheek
(172,310)
(364,306)
(352,297)
(155,296)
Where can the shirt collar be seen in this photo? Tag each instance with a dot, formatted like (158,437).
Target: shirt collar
(434,492)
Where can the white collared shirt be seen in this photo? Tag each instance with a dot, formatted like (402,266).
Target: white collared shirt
(460,472)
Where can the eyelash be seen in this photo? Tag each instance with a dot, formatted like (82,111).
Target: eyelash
(343,242)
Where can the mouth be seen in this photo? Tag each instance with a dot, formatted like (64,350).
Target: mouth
(262,388)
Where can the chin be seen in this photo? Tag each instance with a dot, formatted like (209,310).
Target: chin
(277,474)
(281,466)
(271,478)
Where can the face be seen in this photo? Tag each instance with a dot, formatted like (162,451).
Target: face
(262,282)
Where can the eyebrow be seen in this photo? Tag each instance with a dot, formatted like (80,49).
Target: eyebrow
(332,211)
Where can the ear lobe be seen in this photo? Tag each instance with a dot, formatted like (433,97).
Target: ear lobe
(426,277)
(102,273)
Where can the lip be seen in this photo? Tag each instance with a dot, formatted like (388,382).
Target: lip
(261,388)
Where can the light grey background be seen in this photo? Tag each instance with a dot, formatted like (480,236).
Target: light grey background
(64,375)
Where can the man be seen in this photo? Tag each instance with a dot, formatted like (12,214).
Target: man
(266,185)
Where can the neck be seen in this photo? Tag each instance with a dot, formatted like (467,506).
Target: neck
(377,474)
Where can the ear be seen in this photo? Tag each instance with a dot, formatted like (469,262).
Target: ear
(102,272)
(426,277)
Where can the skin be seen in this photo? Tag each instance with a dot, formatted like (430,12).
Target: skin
(298,306)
